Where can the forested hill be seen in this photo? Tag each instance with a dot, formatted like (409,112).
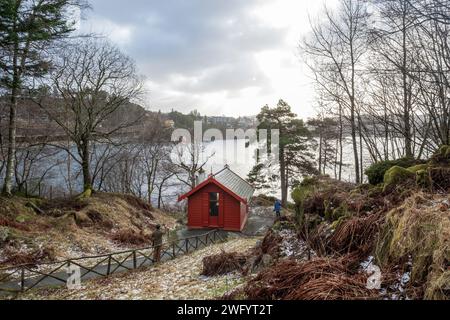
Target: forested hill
(33,121)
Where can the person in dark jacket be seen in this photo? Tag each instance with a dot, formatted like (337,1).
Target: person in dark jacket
(277,208)
(157,236)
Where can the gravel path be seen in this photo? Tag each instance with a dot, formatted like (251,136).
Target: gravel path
(175,279)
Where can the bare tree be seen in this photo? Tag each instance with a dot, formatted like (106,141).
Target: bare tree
(92,80)
(393,41)
(189,159)
(334,52)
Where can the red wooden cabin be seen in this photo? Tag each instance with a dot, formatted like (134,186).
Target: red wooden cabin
(220,201)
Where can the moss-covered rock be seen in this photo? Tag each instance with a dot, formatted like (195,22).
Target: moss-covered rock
(397,175)
(376,172)
(418,167)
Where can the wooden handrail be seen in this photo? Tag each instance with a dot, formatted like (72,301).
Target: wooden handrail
(104,255)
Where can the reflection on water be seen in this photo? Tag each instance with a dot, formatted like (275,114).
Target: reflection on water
(238,154)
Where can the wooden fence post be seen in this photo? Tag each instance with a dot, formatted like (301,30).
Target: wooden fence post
(173,250)
(22,279)
(187,245)
(108,270)
(134,260)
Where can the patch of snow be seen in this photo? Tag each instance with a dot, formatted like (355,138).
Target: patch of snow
(367,263)
(293,247)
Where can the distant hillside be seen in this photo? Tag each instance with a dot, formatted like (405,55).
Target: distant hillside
(32,121)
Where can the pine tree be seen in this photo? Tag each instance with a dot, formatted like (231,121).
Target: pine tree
(27,29)
(295,145)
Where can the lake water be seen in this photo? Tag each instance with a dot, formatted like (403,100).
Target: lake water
(236,153)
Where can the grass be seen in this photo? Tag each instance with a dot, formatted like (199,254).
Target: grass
(420,229)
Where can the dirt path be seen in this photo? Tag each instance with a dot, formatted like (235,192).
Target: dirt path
(175,279)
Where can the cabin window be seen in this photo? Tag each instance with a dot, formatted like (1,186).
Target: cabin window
(213,204)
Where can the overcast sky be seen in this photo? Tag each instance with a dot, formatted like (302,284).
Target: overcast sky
(221,57)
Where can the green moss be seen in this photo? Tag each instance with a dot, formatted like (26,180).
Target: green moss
(418,167)
(299,194)
(21,218)
(423,178)
(395,176)
(339,221)
(86,194)
(340,212)
(377,171)
(375,191)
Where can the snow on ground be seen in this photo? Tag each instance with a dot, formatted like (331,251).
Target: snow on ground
(175,279)
(262,211)
(293,247)
(395,291)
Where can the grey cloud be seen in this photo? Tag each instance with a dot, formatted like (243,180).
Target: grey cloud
(211,41)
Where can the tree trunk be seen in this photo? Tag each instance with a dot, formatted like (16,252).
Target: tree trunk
(406,109)
(149,189)
(361,166)
(354,143)
(11,155)
(159,196)
(341,147)
(283,178)
(87,179)
(15,88)
(353,111)
(320,151)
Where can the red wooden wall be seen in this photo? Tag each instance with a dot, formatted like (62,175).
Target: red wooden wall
(232,213)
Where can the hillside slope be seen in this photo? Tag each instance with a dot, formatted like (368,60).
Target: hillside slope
(35,230)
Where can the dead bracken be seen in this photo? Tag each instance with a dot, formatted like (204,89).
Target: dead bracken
(223,263)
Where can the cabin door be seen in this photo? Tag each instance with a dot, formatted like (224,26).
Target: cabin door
(214,209)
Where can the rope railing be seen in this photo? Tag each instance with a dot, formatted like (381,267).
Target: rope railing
(21,278)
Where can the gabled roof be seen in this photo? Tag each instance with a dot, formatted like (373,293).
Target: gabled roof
(235,183)
(229,181)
